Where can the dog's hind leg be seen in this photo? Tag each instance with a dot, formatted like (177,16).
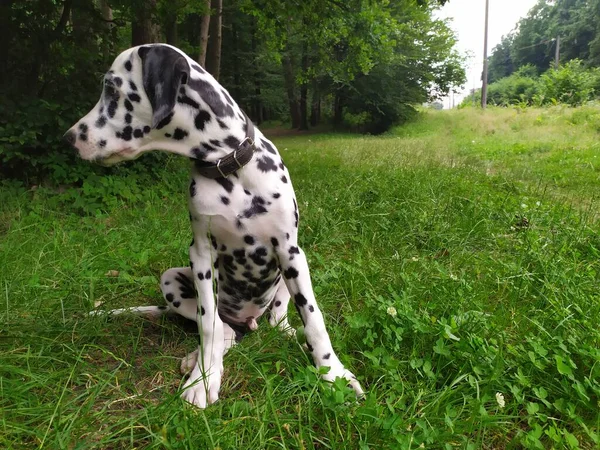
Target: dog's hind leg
(279,308)
(177,286)
(189,362)
(178,290)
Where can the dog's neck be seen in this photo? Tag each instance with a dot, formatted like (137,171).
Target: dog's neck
(197,133)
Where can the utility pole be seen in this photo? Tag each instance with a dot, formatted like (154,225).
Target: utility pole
(485,60)
(557,54)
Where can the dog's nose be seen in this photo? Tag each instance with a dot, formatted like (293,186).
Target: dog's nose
(70,137)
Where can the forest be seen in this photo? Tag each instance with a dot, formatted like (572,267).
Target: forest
(523,67)
(358,64)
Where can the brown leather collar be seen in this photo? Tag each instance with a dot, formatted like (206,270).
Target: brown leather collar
(233,161)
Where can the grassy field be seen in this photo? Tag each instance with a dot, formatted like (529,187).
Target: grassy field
(456,259)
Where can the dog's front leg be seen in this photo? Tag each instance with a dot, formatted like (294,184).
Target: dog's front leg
(203,385)
(296,274)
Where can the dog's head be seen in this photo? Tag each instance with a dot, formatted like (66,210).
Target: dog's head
(138,99)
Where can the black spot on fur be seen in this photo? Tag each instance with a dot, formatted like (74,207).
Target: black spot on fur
(225,200)
(188,101)
(128,66)
(128,118)
(208,147)
(169,297)
(295,213)
(284,178)
(215,142)
(134,97)
(198,68)
(294,250)
(225,183)
(227,97)
(128,105)
(112,108)
(168,135)
(132,86)
(274,242)
(256,208)
(213,241)
(202,118)
(266,164)
(269,147)
(83,137)
(118,81)
(202,311)
(222,124)
(232,141)
(208,275)
(249,239)
(147,129)
(193,188)
(211,97)
(200,276)
(310,347)
(247,192)
(290,273)
(176,304)
(127,133)
(102,143)
(180,134)
(137,133)
(166,121)
(276,195)
(100,122)
(277,303)
(83,128)
(327,356)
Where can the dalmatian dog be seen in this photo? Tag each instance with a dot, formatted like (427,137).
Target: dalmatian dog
(244,256)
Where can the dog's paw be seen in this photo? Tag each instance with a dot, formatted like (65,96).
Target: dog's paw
(188,362)
(202,391)
(339,371)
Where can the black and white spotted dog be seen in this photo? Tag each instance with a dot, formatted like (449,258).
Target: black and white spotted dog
(242,207)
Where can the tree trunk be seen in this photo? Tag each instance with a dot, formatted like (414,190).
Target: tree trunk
(237,88)
(204,26)
(171,30)
(315,110)
(257,108)
(304,91)
(338,108)
(288,76)
(107,16)
(143,29)
(213,62)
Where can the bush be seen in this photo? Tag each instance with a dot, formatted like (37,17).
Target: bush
(572,83)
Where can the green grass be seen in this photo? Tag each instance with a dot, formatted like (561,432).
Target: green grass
(448,271)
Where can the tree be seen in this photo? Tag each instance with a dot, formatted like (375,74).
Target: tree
(213,62)
(500,62)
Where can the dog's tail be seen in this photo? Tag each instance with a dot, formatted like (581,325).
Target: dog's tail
(143,311)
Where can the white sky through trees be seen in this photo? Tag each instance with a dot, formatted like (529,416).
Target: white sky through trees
(468,21)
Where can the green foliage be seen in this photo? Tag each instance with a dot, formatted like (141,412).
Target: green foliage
(534,41)
(572,83)
(514,89)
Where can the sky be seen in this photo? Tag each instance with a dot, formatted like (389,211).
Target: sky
(468,22)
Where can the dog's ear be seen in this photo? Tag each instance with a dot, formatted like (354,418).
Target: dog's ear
(164,71)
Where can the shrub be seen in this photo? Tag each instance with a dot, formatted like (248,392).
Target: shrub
(572,83)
